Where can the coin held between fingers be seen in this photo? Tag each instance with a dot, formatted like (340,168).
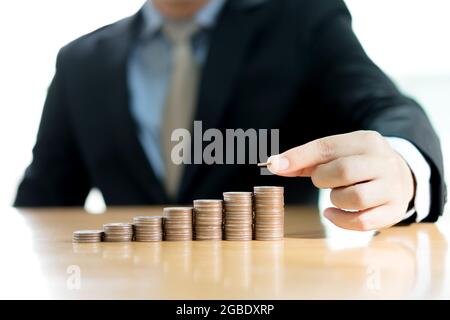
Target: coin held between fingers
(263,164)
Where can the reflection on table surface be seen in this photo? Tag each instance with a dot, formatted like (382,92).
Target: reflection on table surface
(316,260)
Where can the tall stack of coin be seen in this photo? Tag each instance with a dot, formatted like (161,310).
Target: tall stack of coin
(238,215)
(269,213)
(118,232)
(87,236)
(178,224)
(208,219)
(148,228)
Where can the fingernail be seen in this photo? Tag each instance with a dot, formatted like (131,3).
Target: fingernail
(278,163)
(326,214)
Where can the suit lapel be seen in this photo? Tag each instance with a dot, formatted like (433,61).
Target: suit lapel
(228,44)
(116,52)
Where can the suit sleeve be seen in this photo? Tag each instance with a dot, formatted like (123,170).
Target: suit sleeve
(358,95)
(56,176)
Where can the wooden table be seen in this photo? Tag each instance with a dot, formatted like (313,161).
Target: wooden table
(316,260)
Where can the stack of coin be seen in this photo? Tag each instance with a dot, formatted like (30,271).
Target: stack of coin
(87,236)
(148,228)
(269,213)
(118,232)
(178,224)
(238,215)
(208,219)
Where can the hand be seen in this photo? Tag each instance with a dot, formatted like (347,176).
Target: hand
(365,174)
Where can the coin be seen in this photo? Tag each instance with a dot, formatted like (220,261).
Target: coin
(87,236)
(177,223)
(148,228)
(208,219)
(118,232)
(269,213)
(238,216)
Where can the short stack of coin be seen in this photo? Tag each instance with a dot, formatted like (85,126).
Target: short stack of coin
(208,216)
(269,213)
(87,236)
(148,228)
(178,223)
(118,232)
(238,215)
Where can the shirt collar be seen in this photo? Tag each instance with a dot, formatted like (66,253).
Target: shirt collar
(205,18)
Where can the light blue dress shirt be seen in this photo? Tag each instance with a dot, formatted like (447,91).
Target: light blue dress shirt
(148,76)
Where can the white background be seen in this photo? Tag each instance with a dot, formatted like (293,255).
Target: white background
(409,39)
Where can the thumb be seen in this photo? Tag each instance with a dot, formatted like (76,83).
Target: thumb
(301,160)
(282,165)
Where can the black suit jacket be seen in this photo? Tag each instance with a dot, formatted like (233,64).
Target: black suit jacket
(295,65)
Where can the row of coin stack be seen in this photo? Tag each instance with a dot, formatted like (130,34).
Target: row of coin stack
(240,216)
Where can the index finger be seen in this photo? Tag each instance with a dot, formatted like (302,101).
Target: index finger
(300,161)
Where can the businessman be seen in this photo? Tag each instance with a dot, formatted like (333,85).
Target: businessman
(295,65)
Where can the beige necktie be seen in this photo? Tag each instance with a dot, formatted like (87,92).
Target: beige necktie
(181,96)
